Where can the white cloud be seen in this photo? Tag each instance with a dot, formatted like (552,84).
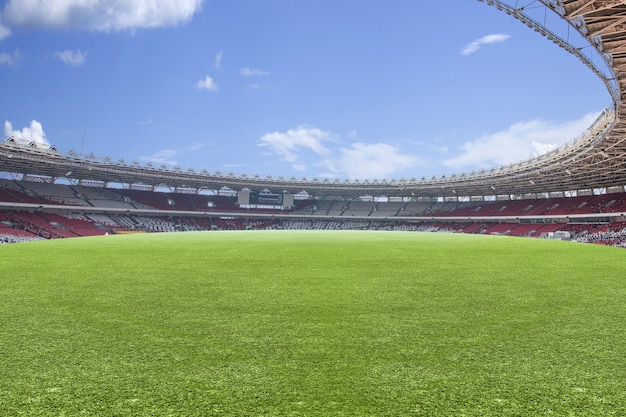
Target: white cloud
(370,161)
(251,72)
(98,15)
(537,148)
(290,144)
(520,141)
(165,156)
(197,147)
(299,167)
(207,83)
(30,134)
(169,156)
(306,146)
(10,59)
(5,32)
(74,58)
(485,40)
(217,64)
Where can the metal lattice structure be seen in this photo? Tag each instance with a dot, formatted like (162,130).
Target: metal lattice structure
(595,160)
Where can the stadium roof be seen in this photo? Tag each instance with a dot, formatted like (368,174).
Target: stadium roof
(596,159)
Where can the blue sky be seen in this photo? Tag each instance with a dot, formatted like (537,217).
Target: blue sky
(340,89)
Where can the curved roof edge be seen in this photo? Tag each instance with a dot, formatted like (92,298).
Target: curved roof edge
(596,159)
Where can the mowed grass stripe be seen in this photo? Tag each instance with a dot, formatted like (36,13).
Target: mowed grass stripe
(311,324)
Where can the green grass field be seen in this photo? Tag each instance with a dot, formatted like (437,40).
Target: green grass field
(312,324)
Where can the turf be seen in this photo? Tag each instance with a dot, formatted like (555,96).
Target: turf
(311,324)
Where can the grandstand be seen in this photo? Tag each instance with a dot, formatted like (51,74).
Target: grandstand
(576,190)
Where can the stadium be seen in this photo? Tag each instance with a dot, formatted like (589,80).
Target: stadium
(317,309)
(576,189)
